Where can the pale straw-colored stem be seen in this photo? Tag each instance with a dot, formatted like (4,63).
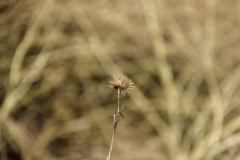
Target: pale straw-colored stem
(113,135)
(118,99)
(116,119)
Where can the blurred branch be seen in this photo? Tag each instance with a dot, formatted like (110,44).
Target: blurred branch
(39,147)
(15,72)
(18,88)
(94,39)
(32,75)
(229,142)
(216,104)
(229,86)
(164,71)
(14,133)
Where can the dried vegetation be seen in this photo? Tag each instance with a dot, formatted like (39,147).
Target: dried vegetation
(56,56)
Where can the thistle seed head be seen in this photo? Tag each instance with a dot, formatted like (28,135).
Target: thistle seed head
(122,82)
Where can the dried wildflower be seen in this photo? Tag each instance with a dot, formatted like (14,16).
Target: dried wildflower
(122,82)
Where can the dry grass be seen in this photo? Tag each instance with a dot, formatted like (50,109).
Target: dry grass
(183,57)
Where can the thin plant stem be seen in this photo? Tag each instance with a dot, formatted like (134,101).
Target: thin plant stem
(116,120)
(113,135)
(118,99)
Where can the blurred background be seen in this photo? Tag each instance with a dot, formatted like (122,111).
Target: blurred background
(56,57)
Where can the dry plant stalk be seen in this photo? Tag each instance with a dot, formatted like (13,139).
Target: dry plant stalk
(123,85)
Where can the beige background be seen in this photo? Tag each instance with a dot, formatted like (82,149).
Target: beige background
(56,57)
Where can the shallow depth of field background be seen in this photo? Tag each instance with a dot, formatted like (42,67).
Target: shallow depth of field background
(56,57)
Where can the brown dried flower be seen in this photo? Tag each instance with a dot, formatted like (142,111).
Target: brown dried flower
(122,82)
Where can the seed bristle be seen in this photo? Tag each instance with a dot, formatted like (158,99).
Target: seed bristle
(122,82)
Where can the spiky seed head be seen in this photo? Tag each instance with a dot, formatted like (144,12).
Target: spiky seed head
(122,82)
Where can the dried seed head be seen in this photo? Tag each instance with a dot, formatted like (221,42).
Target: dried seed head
(122,82)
